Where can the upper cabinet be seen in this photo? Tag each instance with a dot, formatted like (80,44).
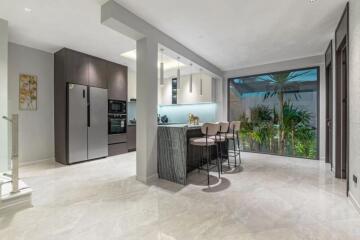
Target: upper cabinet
(98,73)
(203,90)
(117,82)
(76,67)
(79,68)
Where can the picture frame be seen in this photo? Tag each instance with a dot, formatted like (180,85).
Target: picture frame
(28,86)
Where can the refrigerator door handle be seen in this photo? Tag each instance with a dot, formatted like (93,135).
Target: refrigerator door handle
(88,107)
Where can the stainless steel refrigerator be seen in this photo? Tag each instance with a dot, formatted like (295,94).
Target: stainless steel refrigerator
(87,123)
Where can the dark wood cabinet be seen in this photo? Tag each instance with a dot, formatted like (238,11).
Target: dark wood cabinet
(131,137)
(117,82)
(98,73)
(76,67)
(117,148)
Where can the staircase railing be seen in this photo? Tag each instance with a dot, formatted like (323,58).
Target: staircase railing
(14,121)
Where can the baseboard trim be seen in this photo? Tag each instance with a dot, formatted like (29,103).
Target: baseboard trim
(152,178)
(354,202)
(22,164)
(148,180)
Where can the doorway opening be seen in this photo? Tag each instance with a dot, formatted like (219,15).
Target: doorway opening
(342,98)
(329,106)
(342,111)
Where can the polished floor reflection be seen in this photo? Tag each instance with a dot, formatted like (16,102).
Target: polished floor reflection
(269,197)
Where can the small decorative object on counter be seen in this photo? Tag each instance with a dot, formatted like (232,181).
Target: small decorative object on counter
(193,120)
(164,119)
(133,121)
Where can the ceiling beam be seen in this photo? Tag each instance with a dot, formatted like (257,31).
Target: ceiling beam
(122,20)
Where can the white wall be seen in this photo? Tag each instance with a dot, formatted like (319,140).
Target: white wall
(354,99)
(36,128)
(184,95)
(4,157)
(288,65)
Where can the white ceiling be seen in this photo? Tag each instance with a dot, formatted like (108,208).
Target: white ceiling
(238,33)
(230,33)
(54,24)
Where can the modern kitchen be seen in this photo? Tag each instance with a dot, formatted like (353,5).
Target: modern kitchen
(95,104)
(130,119)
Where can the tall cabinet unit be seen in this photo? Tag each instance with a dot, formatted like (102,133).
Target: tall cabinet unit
(82,87)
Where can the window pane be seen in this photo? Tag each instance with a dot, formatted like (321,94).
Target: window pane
(278,111)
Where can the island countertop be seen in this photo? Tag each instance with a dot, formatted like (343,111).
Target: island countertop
(175,156)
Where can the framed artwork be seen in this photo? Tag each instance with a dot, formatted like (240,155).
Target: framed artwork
(28,92)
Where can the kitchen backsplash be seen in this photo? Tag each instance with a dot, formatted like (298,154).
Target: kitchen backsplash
(180,113)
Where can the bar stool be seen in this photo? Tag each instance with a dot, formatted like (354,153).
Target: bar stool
(233,135)
(206,143)
(220,139)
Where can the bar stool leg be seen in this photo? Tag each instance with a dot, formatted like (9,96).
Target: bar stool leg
(217,160)
(220,163)
(208,167)
(220,147)
(234,143)
(238,143)
(201,159)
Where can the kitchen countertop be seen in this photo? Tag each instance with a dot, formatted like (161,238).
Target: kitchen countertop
(173,125)
(181,126)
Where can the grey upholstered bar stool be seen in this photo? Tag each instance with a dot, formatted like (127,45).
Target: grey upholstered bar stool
(220,139)
(206,143)
(233,135)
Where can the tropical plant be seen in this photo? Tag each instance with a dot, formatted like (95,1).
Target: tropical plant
(261,113)
(280,84)
(262,119)
(246,130)
(294,119)
(262,130)
(305,145)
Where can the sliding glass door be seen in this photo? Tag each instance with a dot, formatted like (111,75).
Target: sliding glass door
(278,112)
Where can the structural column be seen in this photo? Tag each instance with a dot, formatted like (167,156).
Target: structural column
(146,109)
(4,146)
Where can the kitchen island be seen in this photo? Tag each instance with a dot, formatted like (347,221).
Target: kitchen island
(176,157)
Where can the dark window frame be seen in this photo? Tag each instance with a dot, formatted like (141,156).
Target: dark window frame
(317,67)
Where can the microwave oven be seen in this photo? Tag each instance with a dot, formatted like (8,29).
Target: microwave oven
(117,107)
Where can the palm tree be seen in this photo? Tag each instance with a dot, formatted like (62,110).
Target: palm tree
(279,85)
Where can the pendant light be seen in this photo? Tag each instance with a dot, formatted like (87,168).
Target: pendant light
(162,80)
(191,79)
(201,83)
(178,75)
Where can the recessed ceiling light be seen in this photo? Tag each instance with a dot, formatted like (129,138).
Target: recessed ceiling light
(28,9)
(169,63)
(130,54)
(313,1)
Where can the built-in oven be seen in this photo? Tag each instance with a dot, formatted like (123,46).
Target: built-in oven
(117,123)
(117,106)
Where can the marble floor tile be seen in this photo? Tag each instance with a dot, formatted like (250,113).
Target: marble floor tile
(268,197)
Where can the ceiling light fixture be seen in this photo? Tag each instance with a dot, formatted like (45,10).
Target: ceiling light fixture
(162,80)
(313,1)
(27,9)
(191,79)
(201,83)
(178,74)
(130,55)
